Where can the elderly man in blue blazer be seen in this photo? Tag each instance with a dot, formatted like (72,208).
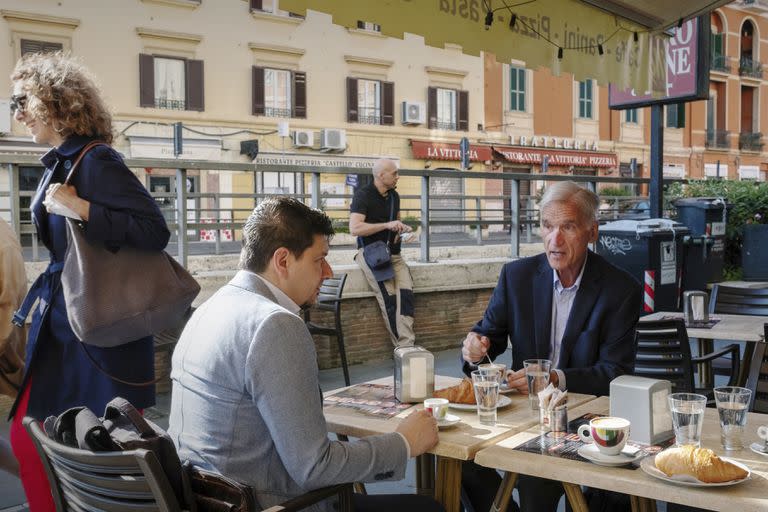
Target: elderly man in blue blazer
(246,399)
(568,305)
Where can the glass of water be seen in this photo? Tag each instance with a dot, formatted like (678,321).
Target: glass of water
(687,417)
(732,405)
(486,395)
(537,372)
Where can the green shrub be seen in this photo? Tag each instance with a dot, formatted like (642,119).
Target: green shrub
(614,192)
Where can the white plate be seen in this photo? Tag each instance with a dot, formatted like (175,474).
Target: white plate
(449,421)
(503,402)
(649,466)
(505,389)
(758,448)
(592,454)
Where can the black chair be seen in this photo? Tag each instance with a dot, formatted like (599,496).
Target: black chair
(734,300)
(757,380)
(133,480)
(330,300)
(664,352)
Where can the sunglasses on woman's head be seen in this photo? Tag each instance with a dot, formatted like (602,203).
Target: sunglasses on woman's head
(18,102)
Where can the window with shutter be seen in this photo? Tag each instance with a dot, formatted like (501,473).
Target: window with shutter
(585,99)
(33,46)
(368,101)
(676,115)
(258,107)
(631,115)
(277,92)
(462,110)
(446,109)
(432,107)
(171,83)
(299,94)
(517,89)
(388,103)
(352,100)
(195,85)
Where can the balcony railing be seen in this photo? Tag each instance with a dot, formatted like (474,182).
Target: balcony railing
(751,141)
(277,112)
(442,125)
(720,63)
(369,115)
(759,6)
(751,68)
(170,104)
(718,139)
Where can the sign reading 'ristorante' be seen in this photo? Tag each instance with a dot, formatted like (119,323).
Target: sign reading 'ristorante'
(428,150)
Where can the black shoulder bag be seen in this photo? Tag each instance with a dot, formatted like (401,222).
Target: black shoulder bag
(377,255)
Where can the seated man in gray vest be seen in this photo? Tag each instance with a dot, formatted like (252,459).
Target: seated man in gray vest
(246,397)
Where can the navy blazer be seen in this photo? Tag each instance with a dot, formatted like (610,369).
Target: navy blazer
(598,343)
(121,213)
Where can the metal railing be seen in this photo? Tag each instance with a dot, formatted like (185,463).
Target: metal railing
(443,125)
(505,212)
(277,112)
(751,68)
(170,104)
(370,115)
(718,139)
(751,141)
(720,63)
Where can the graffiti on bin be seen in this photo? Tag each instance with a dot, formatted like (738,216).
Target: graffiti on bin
(615,245)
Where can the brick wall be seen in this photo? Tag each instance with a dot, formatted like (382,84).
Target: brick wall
(442,320)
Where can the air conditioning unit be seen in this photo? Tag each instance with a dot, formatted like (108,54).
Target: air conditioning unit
(414,112)
(333,139)
(304,138)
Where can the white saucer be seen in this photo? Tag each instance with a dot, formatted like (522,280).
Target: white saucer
(592,454)
(449,421)
(758,448)
(504,388)
(503,402)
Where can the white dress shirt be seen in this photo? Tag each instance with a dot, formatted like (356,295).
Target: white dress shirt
(562,303)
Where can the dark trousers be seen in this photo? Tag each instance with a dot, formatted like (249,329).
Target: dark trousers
(395,503)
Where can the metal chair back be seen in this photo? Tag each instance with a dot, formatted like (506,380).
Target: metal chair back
(739,301)
(757,379)
(663,352)
(330,300)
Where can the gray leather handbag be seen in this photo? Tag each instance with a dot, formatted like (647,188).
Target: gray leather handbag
(117,297)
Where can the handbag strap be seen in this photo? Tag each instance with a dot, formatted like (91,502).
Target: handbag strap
(391,197)
(85,150)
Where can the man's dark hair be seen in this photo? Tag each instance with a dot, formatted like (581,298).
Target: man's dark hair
(280,222)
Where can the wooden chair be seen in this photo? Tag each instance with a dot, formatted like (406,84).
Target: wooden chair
(330,300)
(757,380)
(664,352)
(133,480)
(734,300)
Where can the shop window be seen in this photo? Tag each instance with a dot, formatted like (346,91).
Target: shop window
(171,83)
(676,115)
(448,109)
(517,89)
(370,101)
(279,93)
(585,99)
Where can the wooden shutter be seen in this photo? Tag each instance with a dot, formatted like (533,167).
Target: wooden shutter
(255,4)
(462,113)
(388,103)
(195,85)
(351,100)
(146,80)
(32,46)
(257,96)
(432,107)
(299,94)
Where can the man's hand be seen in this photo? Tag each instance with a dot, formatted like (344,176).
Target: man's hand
(420,431)
(517,380)
(398,227)
(475,347)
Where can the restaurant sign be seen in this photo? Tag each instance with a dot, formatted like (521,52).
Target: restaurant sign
(310,161)
(427,150)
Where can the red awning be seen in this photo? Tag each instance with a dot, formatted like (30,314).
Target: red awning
(428,150)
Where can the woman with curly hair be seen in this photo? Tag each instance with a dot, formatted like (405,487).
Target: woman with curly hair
(58,102)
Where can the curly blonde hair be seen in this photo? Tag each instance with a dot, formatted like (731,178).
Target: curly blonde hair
(62,93)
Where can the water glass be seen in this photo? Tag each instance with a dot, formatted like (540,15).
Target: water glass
(687,417)
(486,395)
(537,372)
(732,405)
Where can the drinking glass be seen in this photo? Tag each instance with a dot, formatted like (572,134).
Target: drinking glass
(732,404)
(486,395)
(537,372)
(687,417)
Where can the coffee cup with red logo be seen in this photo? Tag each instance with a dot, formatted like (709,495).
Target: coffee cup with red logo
(609,434)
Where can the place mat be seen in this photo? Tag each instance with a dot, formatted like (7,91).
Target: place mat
(374,399)
(566,445)
(695,325)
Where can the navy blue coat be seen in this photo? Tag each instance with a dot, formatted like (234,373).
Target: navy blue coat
(122,213)
(598,343)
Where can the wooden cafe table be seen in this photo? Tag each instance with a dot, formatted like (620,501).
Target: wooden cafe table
(751,495)
(747,328)
(457,443)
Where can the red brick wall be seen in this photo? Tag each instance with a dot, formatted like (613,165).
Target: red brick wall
(442,320)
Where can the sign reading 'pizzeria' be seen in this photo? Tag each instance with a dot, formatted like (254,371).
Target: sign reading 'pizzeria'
(514,154)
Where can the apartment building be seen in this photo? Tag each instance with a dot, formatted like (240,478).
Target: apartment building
(250,82)
(719,137)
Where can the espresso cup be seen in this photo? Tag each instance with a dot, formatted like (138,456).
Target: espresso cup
(762,433)
(437,407)
(499,368)
(609,434)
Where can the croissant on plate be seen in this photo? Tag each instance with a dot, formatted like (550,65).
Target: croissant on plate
(700,463)
(462,393)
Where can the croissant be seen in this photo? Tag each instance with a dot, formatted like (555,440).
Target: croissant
(462,393)
(700,463)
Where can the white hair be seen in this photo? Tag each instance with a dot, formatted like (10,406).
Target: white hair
(586,201)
